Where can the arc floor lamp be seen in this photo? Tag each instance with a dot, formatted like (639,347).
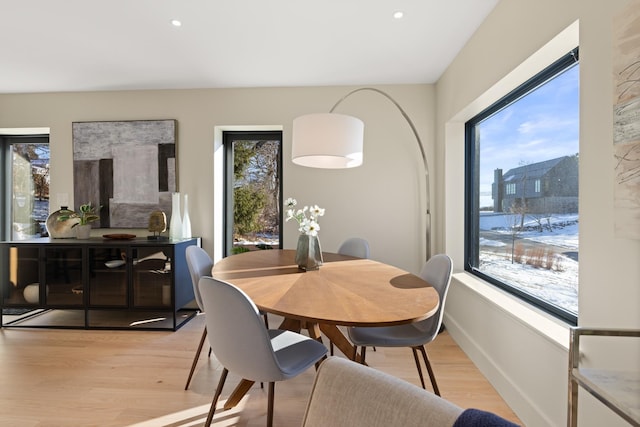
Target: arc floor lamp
(335,141)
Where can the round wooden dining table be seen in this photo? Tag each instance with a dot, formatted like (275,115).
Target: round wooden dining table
(345,291)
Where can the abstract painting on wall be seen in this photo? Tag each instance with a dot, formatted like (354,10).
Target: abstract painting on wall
(626,121)
(127,167)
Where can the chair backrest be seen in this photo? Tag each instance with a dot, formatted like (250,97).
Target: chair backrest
(236,332)
(199,264)
(437,272)
(348,393)
(355,246)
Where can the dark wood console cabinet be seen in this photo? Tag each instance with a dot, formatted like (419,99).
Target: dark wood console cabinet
(96,283)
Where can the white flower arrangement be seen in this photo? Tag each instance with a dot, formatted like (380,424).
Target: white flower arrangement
(306,217)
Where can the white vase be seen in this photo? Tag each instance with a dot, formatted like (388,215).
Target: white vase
(175,225)
(32,293)
(83,231)
(186,221)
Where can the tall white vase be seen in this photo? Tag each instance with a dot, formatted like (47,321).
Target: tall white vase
(186,221)
(175,225)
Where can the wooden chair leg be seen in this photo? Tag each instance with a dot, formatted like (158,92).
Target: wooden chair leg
(216,396)
(415,358)
(197,356)
(431,374)
(272,387)
(363,354)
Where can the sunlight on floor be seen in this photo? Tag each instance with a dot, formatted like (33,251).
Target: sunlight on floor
(197,416)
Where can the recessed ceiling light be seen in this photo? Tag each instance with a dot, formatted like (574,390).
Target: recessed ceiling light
(398,15)
(176,23)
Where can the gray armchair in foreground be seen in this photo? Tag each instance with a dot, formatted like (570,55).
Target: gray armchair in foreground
(348,394)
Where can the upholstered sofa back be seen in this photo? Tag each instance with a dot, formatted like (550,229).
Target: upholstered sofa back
(352,395)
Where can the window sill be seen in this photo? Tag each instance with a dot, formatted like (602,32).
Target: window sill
(544,324)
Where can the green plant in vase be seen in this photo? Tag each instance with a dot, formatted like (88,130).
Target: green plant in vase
(86,215)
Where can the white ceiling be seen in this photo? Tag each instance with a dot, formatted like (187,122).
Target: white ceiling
(82,45)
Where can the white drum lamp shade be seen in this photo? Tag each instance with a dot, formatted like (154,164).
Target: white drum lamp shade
(327,140)
(334,141)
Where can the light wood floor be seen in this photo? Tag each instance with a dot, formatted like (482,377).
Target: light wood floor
(74,378)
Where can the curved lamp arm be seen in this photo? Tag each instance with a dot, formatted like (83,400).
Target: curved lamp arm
(422,152)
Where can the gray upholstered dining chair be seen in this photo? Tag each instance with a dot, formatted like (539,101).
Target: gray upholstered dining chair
(245,347)
(354,246)
(199,264)
(437,272)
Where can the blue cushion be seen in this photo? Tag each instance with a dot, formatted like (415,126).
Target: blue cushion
(477,418)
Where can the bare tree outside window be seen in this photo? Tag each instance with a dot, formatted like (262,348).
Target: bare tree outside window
(256,190)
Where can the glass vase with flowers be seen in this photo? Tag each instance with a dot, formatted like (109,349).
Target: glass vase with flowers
(308,251)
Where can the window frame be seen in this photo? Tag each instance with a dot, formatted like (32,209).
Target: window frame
(228,137)
(6,180)
(472,193)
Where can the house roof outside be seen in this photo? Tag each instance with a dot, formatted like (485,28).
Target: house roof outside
(532,171)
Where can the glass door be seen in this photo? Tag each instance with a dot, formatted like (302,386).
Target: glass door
(253,191)
(63,276)
(108,276)
(21,278)
(152,277)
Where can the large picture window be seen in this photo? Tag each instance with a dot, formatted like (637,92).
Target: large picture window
(522,190)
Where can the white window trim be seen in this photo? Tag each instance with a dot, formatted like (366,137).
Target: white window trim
(218,180)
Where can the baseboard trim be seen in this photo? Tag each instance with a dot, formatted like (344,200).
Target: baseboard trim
(551,333)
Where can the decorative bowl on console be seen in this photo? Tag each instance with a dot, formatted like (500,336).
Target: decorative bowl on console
(81,220)
(62,229)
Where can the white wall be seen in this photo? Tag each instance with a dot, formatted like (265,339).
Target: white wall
(521,351)
(379,201)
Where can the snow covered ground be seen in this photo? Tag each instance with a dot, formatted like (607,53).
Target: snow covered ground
(559,287)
